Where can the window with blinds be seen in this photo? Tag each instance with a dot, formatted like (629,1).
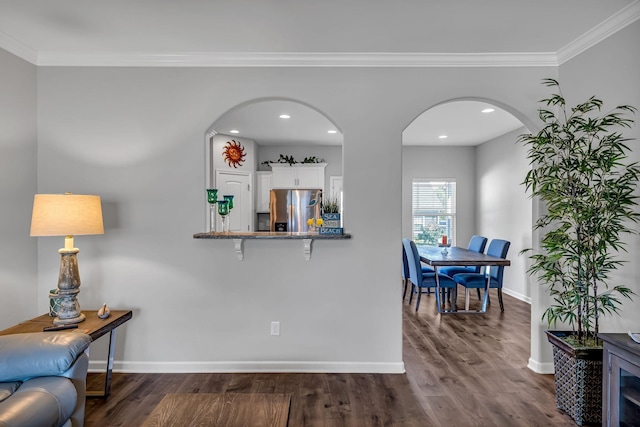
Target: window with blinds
(434,211)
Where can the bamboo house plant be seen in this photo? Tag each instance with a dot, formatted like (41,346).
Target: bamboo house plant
(581,173)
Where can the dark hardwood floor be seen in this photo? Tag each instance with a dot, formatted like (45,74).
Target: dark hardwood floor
(471,370)
(462,370)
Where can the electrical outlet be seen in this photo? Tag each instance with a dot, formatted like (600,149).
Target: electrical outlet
(275,328)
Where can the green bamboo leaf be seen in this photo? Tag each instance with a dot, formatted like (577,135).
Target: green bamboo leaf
(581,172)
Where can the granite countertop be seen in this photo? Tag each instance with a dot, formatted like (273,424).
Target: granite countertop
(271,235)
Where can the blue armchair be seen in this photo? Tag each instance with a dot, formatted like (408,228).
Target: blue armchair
(43,379)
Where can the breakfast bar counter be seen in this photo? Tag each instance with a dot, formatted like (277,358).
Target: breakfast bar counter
(271,235)
(239,238)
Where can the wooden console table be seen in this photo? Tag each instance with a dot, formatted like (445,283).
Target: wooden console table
(93,326)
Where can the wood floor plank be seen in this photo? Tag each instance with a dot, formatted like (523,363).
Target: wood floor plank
(477,360)
(462,370)
(221,409)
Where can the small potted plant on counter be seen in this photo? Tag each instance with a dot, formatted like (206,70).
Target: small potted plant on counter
(331,222)
(580,173)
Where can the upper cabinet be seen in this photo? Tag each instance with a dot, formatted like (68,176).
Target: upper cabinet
(302,175)
(263,187)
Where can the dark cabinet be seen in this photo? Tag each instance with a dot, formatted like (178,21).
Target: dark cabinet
(620,381)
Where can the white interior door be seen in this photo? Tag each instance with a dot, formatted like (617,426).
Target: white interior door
(335,189)
(239,185)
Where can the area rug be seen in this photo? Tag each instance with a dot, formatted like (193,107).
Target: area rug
(221,410)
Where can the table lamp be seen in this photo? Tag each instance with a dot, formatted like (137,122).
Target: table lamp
(67,215)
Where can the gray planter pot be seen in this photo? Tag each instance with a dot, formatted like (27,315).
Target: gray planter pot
(578,379)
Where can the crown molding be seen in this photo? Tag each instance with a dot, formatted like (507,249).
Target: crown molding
(610,26)
(291,59)
(19,49)
(606,28)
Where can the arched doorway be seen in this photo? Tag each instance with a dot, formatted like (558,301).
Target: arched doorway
(472,144)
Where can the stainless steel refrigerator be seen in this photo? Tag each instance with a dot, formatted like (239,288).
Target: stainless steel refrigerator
(291,208)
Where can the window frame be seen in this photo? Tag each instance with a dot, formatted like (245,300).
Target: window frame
(440,220)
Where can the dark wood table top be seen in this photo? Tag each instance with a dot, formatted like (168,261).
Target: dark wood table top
(433,256)
(93,326)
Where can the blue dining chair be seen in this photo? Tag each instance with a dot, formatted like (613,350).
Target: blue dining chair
(497,248)
(420,280)
(405,271)
(476,244)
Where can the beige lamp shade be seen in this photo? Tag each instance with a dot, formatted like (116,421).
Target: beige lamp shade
(66,215)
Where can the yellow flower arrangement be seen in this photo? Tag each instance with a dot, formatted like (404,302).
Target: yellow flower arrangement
(314,222)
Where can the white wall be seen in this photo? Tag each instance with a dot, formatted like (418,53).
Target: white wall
(609,71)
(135,136)
(442,163)
(18,256)
(503,208)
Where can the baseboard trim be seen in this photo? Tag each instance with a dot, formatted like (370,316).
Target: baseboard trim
(517,295)
(250,366)
(540,368)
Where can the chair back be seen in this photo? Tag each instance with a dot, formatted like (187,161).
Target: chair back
(498,248)
(477,244)
(413,261)
(405,262)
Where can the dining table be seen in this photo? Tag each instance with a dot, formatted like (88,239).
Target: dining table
(444,256)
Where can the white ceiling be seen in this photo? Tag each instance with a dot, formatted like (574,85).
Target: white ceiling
(303,26)
(463,123)
(260,121)
(316,33)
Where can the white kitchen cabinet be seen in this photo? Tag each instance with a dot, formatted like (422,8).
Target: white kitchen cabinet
(263,188)
(303,175)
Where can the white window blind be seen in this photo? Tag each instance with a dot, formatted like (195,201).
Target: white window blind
(434,211)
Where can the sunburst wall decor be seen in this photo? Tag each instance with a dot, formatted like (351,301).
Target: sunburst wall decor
(233,153)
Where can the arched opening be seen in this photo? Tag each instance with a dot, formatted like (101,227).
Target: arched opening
(470,147)
(263,134)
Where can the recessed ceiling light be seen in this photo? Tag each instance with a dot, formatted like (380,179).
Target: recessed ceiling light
(443,137)
(234,131)
(332,131)
(285,116)
(488,110)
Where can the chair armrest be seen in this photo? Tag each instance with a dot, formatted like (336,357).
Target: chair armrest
(78,376)
(24,356)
